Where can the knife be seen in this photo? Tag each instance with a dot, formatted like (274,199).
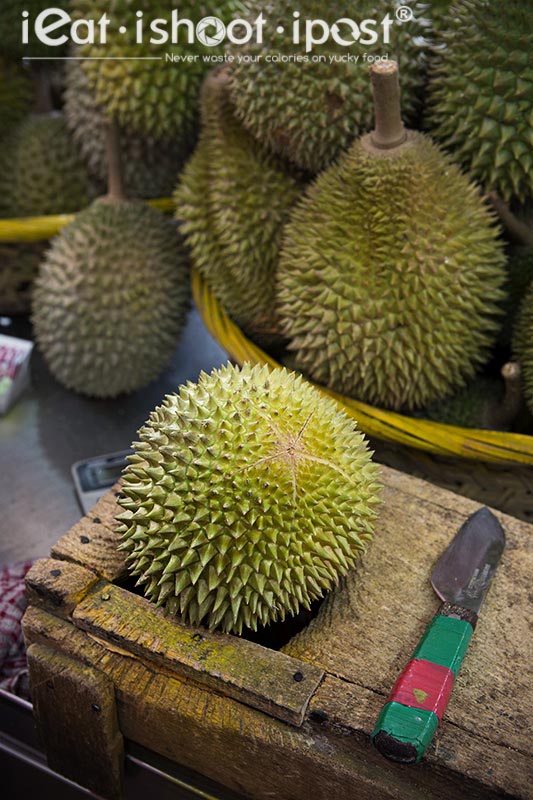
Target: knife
(419,697)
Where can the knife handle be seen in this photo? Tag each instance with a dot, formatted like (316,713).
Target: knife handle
(419,697)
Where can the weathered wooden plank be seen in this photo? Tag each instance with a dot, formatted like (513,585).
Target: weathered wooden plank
(93,541)
(75,711)
(58,586)
(330,756)
(367,629)
(264,679)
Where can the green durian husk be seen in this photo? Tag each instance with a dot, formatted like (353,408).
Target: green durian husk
(310,113)
(470,407)
(390,276)
(111,298)
(234,199)
(249,495)
(150,165)
(523,344)
(150,98)
(480,97)
(41,171)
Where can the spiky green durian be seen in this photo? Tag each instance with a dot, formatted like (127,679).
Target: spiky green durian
(523,344)
(150,97)
(150,166)
(16,94)
(310,112)
(110,299)
(470,407)
(41,171)
(234,199)
(249,494)
(390,273)
(481,94)
(19,264)
(11,28)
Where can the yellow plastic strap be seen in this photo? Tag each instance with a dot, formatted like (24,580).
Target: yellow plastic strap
(432,437)
(35,229)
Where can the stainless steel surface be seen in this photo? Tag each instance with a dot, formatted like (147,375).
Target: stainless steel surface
(50,428)
(463,573)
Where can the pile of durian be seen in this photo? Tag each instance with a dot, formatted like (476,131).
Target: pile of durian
(380,246)
(110,294)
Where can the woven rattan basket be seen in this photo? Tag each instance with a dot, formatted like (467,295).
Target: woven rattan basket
(492,467)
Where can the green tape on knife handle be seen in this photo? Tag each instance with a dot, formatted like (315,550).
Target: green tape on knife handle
(419,697)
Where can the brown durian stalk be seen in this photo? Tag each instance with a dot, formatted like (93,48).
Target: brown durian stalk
(391,268)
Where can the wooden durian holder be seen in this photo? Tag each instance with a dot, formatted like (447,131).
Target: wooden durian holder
(107,668)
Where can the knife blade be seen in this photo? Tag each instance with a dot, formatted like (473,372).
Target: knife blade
(418,700)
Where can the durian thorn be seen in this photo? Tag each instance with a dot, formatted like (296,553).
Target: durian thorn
(502,415)
(389,131)
(115,178)
(517,230)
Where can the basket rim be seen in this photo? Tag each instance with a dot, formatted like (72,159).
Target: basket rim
(434,437)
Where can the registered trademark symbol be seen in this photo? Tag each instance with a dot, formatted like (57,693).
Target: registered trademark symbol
(404,14)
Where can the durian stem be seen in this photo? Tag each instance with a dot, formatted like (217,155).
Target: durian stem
(115,179)
(502,415)
(517,230)
(389,131)
(42,91)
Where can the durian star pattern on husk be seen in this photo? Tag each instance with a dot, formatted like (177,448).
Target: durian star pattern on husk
(310,112)
(248,496)
(150,97)
(390,275)
(481,97)
(234,200)
(111,298)
(150,165)
(41,171)
(523,344)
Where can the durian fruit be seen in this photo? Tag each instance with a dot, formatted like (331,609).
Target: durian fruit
(150,165)
(16,93)
(112,293)
(110,300)
(391,268)
(152,98)
(484,403)
(41,171)
(481,94)
(234,199)
(248,496)
(310,112)
(523,345)
(19,264)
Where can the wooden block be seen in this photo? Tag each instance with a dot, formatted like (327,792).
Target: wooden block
(362,637)
(367,630)
(93,541)
(264,679)
(329,757)
(58,586)
(75,712)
